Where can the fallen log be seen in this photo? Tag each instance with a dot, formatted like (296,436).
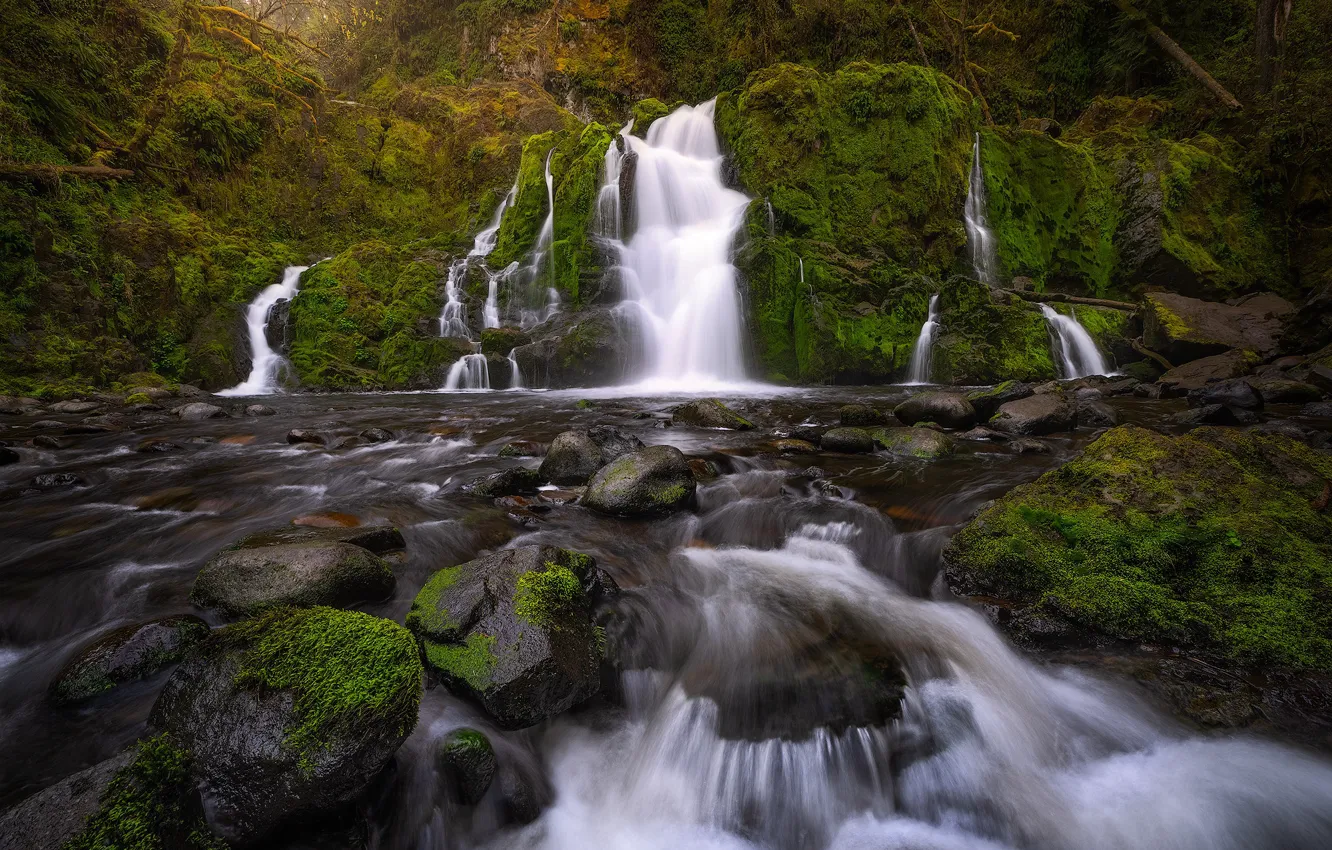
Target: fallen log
(1147,352)
(44,171)
(1051,297)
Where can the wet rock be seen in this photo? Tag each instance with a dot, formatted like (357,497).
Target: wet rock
(1280,391)
(46,441)
(169,498)
(188,391)
(1219,367)
(466,757)
(9,456)
(1046,413)
(1182,329)
(523,448)
(291,714)
(648,482)
(377,435)
(858,416)
(125,655)
(982,434)
(514,631)
(1317,408)
(949,409)
(508,482)
(47,424)
(378,539)
(260,410)
(54,815)
(299,435)
(704,470)
(793,446)
(345,443)
(1027,446)
(810,432)
(154,393)
(56,481)
(575,455)
(76,407)
(847,440)
(1233,393)
(242,582)
(920,443)
(1123,386)
(1214,414)
(1096,414)
(986,402)
(328,519)
(709,413)
(200,410)
(1152,391)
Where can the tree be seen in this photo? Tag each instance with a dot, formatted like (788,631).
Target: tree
(1270,38)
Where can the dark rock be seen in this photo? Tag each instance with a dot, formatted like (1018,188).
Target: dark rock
(299,435)
(847,440)
(345,443)
(709,413)
(949,409)
(1208,414)
(277,326)
(46,441)
(809,432)
(54,815)
(1317,408)
(1027,446)
(987,401)
(500,341)
(859,415)
(1280,391)
(125,655)
(242,582)
(920,443)
(157,445)
(1124,386)
(188,391)
(76,407)
(1152,391)
(523,448)
(468,759)
(508,482)
(1182,329)
(200,410)
(514,631)
(154,393)
(378,539)
(291,714)
(1321,377)
(56,481)
(982,434)
(1233,393)
(1046,413)
(651,481)
(260,410)
(1219,367)
(704,470)
(377,435)
(48,424)
(575,455)
(793,446)
(1096,414)
(9,456)
(577,348)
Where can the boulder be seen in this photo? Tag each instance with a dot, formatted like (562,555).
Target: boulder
(1046,413)
(377,435)
(1214,414)
(1183,329)
(514,631)
(1219,367)
(507,482)
(709,413)
(949,409)
(921,443)
(523,448)
(54,815)
(379,539)
(651,481)
(199,410)
(242,582)
(1096,414)
(1317,408)
(982,434)
(859,416)
(987,401)
(154,393)
(74,406)
(1028,446)
(466,757)
(291,714)
(125,655)
(56,481)
(1282,391)
(299,435)
(259,410)
(1235,392)
(574,455)
(9,456)
(847,440)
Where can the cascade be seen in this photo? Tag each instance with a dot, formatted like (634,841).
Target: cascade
(980,240)
(264,361)
(679,287)
(918,370)
(515,374)
(471,372)
(609,214)
(1074,348)
(453,321)
(546,241)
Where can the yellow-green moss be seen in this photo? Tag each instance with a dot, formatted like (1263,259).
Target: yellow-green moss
(471,661)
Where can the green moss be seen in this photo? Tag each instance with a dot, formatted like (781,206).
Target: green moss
(427,616)
(987,341)
(647,111)
(150,804)
(543,597)
(138,398)
(1208,539)
(470,662)
(339,665)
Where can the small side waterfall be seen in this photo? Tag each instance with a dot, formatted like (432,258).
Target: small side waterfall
(264,361)
(453,321)
(1073,347)
(980,240)
(546,241)
(918,370)
(471,372)
(515,374)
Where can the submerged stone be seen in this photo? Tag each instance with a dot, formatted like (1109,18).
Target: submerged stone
(468,759)
(847,440)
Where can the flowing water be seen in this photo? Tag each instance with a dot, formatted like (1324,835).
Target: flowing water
(918,369)
(980,239)
(736,722)
(453,320)
(1074,350)
(264,361)
(471,372)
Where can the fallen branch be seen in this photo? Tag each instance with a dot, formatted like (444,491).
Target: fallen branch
(43,171)
(1137,346)
(227,10)
(1168,44)
(1075,299)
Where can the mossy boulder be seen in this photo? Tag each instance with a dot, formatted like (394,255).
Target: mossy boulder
(709,413)
(648,482)
(575,455)
(858,416)
(514,631)
(1042,413)
(987,401)
(242,582)
(847,440)
(583,348)
(1183,329)
(49,818)
(1213,540)
(987,338)
(466,757)
(125,655)
(949,409)
(919,443)
(291,714)
(1198,373)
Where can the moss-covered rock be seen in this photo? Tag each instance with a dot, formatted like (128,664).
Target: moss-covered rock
(468,759)
(127,654)
(987,339)
(920,443)
(710,413)
(648,482)
(242,582)
(1210,540)
(574,456)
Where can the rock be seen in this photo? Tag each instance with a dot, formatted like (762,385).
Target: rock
(9,456)
(1028,446)
(157,445)
(1218,367)
(1183,329)
(574,455)
(1317,408)
(949,409)
(56,481)
(74,407)
(1048,387)
(1046,413)
(704,470)
(379,539)
(514,631)
(1124,386)
(709,413)
(125,655)
(377,435)
(1236,392)
(982,434)
(1152,391)
(199,410)
(792,446)
(54,815)
(154,393)
(299,435)
(577,348)
(847,440)
(809,432)
(921,443)
(260,410)
(1214,414)
(523,448)
(859,415)
(48,424)
(1321,377)
(242,582)
(46,441)
(345,443)
(326,520)
(291,714)
(648,482)
(468,759)
(1096,414)
(986,402)
(1281,391)
(188,391)
(507,482)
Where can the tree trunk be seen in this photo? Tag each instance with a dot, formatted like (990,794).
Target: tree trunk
(52,173)
(1270,40)
(1168,44)
(1059,297)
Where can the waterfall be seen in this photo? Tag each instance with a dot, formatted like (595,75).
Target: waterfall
(546,241)
(515,374)
(980,240)
(1073,347)
(609,213)
(264,361)
(453,321)
(471,372)
(918,370)
(679,285)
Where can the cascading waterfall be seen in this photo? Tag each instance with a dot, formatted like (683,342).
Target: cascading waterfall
(515,374)
(453,321)
(679,286)
(1074,349)
(264,361)
(918,370)
(546,241)
(471,372)
(980,240)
